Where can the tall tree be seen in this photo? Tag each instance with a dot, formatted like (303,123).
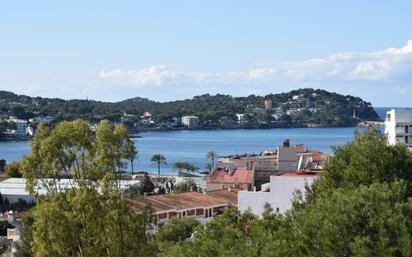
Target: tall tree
(158,160)
(88,217)
(12,170)
(23,247)
(147,185)
(132,153)
(212,155)
(179,166)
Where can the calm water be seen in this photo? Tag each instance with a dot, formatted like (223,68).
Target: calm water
(192,146)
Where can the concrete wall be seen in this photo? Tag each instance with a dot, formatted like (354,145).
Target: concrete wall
(218,186)
(280,197)
(395,126)
(287,158)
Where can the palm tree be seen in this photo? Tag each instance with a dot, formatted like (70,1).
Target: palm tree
(179,166)
(212,155)
(190,167)
(131,154)
(158,159)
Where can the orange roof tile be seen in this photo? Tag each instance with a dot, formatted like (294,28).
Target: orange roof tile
(241,176)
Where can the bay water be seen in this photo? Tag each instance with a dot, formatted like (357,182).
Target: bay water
(192,145)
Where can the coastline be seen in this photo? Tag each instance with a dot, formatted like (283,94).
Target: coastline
(15,139)
(136,132)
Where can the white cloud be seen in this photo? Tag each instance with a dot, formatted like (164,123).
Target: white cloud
(391,63)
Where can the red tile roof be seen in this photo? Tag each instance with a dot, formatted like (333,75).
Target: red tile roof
(241,176)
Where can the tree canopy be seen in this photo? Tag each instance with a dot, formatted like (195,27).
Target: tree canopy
(90,218)
(332,109)
(12,170)
(360,206)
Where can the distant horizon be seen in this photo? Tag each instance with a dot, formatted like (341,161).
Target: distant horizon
(167,50)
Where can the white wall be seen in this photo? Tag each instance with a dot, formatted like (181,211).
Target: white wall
(400,118)
(280,196)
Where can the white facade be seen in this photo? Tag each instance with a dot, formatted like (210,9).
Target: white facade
(398,127)
(190,121)
(282,189)
(241,118)
(14,189)
(21,126)
(41,118)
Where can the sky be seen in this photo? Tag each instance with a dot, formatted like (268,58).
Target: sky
(167,50)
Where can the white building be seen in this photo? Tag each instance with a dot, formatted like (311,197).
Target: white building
(398,127)
(282,189)
(21,126)
(241,118)
(41,118)
(190,121)
(14,189)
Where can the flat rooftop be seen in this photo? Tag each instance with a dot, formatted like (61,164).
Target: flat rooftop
(170,202)
(225,194)
(296,174)
(17,186)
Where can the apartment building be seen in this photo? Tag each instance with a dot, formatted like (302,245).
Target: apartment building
(190,121)
(398,127)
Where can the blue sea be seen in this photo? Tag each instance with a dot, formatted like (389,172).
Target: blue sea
(192,146)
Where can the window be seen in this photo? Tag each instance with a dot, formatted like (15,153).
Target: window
(406,139)
(199,212)
(162,216)
(406,129)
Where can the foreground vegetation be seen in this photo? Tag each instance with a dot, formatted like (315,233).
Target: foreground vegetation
(360,206)
(92,218)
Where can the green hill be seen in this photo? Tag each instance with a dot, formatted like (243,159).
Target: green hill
(297,108)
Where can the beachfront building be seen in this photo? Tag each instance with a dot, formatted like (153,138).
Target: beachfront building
(279,193)
(199,206)
(190,121)
(21,126)
(398,127)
